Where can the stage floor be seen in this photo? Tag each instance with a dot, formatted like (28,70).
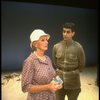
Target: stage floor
(11,85)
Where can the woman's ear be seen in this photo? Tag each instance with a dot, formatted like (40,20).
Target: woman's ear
(34,44)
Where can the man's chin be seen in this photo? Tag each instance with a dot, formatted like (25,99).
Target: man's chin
(66,39)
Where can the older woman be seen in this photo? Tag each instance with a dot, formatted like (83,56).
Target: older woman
(38,72)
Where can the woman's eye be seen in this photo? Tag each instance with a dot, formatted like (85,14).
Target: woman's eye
(43,40)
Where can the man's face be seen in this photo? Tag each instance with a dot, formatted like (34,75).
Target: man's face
(67,33)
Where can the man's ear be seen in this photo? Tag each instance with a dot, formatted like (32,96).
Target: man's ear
(73,34)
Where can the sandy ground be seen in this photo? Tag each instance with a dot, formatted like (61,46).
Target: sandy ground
(11,90)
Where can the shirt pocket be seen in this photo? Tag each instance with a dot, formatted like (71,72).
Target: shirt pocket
(72,57)
(59,54)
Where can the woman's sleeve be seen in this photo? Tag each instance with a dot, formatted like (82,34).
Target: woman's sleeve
(27,75)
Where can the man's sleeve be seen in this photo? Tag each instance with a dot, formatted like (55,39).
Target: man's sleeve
(54,57)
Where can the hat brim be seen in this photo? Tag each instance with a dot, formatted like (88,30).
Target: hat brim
(48,37)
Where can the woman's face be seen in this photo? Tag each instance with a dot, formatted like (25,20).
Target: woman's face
(42,43)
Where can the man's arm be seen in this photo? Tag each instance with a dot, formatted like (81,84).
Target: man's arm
(54,57)
(82,58)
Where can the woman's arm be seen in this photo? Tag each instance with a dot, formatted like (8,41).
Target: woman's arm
(53,86)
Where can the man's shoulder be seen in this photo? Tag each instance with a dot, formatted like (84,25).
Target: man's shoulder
(78,44)
(58,43)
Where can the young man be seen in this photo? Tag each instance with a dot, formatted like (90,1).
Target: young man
(69,60)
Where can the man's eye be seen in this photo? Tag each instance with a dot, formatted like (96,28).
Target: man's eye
(68,31)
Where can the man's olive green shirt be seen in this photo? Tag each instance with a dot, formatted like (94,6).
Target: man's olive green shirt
(69,60)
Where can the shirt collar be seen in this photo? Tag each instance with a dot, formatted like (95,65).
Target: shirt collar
(36,58)
(68,42)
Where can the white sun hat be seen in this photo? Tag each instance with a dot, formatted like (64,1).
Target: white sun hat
(36,34)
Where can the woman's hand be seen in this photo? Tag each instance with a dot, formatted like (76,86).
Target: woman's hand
(54,86)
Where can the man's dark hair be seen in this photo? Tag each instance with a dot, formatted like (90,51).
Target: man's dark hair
(69,25)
